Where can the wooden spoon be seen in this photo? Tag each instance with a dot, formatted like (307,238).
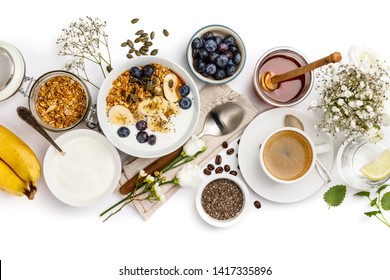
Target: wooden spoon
(270,82)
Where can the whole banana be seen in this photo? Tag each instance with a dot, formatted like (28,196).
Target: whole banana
(19,157)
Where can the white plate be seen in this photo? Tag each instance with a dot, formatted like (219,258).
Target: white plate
(209,219)
(248,156)
(185,122)
(17,69)
(71,197)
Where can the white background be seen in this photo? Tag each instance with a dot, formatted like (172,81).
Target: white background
(46,239)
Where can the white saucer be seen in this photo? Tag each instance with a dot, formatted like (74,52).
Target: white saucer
(248,156)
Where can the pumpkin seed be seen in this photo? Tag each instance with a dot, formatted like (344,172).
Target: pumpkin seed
(146,49)
(134,98)
(143,52)
(129,55)
(134,91)
(144,39)
(148,85)
(138,39)
(148,44)
(145,79)
(170,83)
(165,32)
(124,44)
(152,35)
(130,43)
(139,32)
(155,80)
(137,53)
(154,52)
(133,80)
(128,98)
(131,50)
(134,20)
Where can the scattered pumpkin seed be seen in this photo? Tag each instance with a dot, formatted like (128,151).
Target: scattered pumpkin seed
(129,55)
(124,44)
(138,39)
(134,98)
(148,44)
(134,91)
(144,34)
(152,35)
(170,83)
(155,80)
(143,52)
(145,79)
(165,32)
(134,20)
(131,50)
(148,85)
(139,32)
(154,52)
(130,43)
(128,98)
(137,53)
(133,80)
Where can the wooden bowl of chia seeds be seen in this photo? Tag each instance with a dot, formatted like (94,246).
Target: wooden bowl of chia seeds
(222,200)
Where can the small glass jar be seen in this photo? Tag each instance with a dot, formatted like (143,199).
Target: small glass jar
(355,154)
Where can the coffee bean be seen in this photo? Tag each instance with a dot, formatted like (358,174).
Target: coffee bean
(224,144)
(226,168)
(210,167)
(230,151)
(257,204)
(206,171)
(219,169)
(234,173)
(218,160)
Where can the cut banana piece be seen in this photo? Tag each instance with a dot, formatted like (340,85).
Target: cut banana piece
(119,114)
(153,107)
(159,123)
(171,86)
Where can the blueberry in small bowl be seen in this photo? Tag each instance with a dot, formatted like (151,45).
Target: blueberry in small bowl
(216,54)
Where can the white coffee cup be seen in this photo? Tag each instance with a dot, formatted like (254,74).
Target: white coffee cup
(288,155)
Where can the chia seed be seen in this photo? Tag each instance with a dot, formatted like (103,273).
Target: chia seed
(222,199)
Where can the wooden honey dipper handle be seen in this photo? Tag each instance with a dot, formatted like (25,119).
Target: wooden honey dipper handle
(334,57)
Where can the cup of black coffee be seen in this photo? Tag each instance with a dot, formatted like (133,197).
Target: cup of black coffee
(288,155)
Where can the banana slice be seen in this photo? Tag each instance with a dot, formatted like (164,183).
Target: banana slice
(173,109)
(171,86)
(119,114)
(152,107)
(159,123)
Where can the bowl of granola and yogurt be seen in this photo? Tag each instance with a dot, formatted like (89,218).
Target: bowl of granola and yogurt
(148,107)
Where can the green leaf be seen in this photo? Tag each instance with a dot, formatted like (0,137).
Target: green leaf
(335,195)
(381,188)
(372,213)
(385,201)
(373,202)
(363,193)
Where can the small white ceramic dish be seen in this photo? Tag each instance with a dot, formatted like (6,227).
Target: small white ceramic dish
(184,122)
(223,31)
(222,223)
(108,169)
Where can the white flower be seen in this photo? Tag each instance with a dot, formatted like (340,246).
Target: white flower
(313,103)
(193,146)
(189,176)
(158,192)
(149,179)
(362,57)
(142,173)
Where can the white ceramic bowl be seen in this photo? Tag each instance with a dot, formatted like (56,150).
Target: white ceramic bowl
(223,31)
(222,223)
(185,122)
(108,169)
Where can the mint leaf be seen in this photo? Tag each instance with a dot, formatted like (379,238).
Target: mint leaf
(373,202)
(335,195)
(363,193)
(381,188)
(372,213)
(385,201)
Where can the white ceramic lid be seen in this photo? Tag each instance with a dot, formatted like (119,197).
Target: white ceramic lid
(12,70)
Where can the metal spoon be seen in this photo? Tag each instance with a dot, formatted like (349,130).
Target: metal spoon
(26,115)
(223,119)
(293,121)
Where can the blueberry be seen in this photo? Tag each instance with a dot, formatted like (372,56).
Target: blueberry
(220,74)
(148,70)
(142,136)
(208,35)
(237,58)
(185,103)
(223,47)
(211,68)
(229,40)
(197,43)
(229,54)
(184,90)
(152,139)
(218,39)
(199,65)
(123,132)
(141,125)
(233,48)
(203,53)
(210,45)
(213,56)
(205,74)
(222,61)
(136,72)
(230,70)
(195,53)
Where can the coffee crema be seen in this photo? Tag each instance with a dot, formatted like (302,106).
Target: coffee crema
(287,155)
